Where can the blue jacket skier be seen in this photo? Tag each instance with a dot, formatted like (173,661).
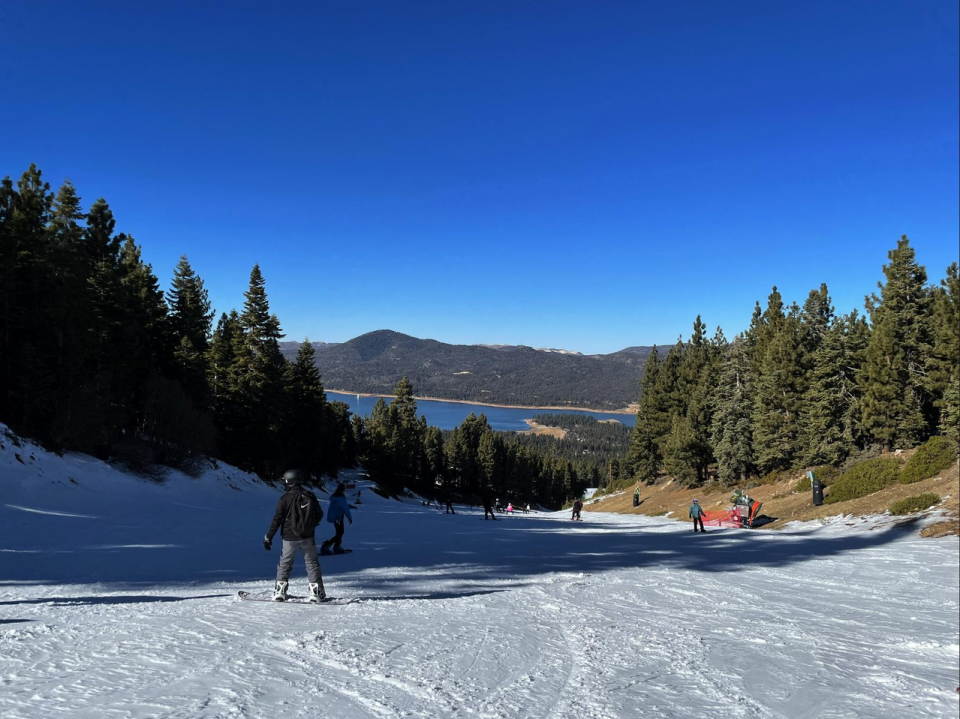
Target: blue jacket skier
(335,515)
(696,513)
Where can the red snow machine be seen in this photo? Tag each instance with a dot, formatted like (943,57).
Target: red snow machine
(742,513)
(747,508)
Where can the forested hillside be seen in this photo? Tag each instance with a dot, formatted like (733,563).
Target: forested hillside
(376,361)
(96,357)
(804,386)
(593,446)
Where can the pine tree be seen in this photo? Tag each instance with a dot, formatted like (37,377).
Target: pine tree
(681,452)
(816,320)
(944,362)
(434,454)
(698,379)
(951,413)
(731,429)
(667,401)
(644,458)
(896,404)
(340,436)
(778,389)
(148,330)
(69,296)
(490,460)
(221,359)
(68,319)
(258,399)
(408,435)
(25,347)
(305,431)
(105,287)
(190,322)
(830,428)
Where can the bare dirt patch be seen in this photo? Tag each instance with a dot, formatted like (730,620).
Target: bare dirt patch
(535,428)
(782,503)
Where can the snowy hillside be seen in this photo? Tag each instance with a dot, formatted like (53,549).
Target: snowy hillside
(117,599)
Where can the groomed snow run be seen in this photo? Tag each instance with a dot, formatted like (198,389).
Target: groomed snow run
(117,599)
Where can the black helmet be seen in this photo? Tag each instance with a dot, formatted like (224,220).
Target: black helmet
(293,478)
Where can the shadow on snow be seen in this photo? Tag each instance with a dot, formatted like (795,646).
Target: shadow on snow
(423,555)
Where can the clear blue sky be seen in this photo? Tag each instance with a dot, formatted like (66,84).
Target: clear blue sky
(587,175)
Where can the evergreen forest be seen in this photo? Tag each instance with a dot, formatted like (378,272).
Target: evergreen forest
(804,386)
(96,356)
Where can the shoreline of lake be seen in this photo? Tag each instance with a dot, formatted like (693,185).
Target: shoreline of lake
(625,410)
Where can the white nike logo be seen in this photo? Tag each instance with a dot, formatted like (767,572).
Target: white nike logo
(304,506)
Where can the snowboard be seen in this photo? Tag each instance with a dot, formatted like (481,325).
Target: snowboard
(334,554)
(294,599)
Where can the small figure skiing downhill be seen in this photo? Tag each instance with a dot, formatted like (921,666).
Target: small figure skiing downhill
(488,507)
(577,507)
(335,514)
(696,512)
(298,513)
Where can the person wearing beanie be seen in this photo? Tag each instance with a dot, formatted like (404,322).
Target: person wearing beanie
(696,513)
(298,513)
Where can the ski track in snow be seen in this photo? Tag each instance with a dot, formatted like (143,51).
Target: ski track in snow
(118,600)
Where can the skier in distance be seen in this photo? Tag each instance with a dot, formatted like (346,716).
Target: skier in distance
(335,514)
(298,513)
(577,507)
(696,513)
(488,507)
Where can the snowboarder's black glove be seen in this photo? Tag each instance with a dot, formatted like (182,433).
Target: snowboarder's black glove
(267,543)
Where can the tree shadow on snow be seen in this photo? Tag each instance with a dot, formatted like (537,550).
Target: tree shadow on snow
(423,554)
(524,550)
(105,599)
(15,621)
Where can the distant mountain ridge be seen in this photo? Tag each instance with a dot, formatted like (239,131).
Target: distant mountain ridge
(500,374)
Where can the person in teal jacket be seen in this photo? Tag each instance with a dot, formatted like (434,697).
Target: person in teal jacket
(335,514)
(696,512)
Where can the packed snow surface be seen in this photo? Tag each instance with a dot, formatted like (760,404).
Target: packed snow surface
(118,599)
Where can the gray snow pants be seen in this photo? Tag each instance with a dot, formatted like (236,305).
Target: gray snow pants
(307,547)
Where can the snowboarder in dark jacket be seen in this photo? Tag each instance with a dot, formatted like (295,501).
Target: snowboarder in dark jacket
(577,507)
(338,510)
(488,507)
(298,513)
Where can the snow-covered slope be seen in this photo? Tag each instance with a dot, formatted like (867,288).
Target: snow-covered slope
(117,600)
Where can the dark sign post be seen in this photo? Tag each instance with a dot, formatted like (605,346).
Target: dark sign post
(817,487)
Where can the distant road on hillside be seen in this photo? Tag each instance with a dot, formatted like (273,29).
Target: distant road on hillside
(502,374)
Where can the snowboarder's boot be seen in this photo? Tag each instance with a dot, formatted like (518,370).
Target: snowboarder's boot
(317,594)
(280,592)
(325,550)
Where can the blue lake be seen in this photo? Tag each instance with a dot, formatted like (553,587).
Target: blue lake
(447,415)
